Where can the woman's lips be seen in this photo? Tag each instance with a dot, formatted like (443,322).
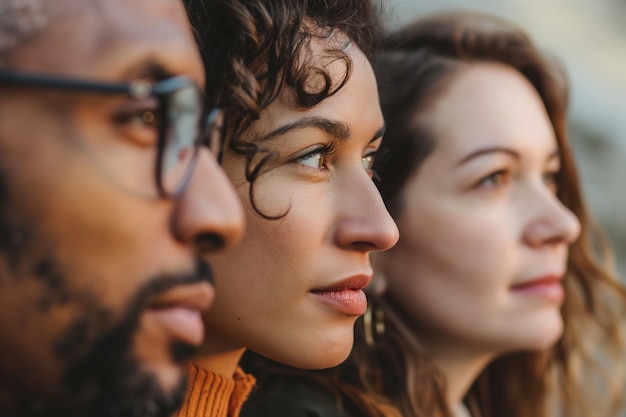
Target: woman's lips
(549,287)
(346,296)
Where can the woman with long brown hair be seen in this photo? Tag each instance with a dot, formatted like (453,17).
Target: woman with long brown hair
(498,298)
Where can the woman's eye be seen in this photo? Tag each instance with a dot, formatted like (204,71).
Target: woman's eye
(314,159)
(549,178)
(496,179)
(368,164)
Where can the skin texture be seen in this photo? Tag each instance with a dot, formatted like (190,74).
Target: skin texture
(474,226)
(82,253)
(334,218)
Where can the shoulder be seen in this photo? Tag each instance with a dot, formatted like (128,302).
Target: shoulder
(294,398)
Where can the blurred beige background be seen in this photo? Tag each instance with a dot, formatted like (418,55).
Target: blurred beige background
(589,36)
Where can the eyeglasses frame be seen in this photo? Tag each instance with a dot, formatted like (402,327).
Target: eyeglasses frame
(138,89)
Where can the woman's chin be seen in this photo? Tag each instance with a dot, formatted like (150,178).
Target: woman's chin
(313,355)
(543,335)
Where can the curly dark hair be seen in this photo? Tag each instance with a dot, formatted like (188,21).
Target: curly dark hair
(253,51)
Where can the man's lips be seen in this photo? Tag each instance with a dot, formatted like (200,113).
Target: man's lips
(179,311)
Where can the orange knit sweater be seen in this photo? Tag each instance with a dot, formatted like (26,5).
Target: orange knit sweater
(212,395)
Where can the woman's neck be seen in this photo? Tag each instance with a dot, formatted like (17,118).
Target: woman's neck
(221,363)
(461,411)
(460,370)
(219,354)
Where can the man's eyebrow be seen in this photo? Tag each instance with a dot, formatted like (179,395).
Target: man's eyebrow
(147,69)
(336,129)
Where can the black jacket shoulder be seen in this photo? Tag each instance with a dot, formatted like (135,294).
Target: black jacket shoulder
(291,397)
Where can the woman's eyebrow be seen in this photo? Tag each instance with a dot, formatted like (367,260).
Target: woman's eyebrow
(556,154)
(334,128)
(379,133)
(486,151)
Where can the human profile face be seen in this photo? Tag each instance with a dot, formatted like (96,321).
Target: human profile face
(292,289)
(484,239)
(102,281)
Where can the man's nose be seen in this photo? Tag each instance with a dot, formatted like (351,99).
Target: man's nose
(209,214)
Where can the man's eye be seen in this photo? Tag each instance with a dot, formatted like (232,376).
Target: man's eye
(143,118)
(148,118)
(139,126)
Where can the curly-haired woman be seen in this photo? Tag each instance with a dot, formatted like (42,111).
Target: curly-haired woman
(303,125)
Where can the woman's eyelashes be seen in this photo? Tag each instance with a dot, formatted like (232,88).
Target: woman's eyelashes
(495,179)
(503,177)
(317,158)
(368,164)
(550,179)
(321,158)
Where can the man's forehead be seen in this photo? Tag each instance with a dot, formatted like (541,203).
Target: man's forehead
(19,20)
(28,16)
(23,22)
(83,35)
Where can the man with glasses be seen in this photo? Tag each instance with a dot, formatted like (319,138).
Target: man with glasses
(110,198)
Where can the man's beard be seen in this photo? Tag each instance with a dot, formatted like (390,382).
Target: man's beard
(102,376)
(108,380)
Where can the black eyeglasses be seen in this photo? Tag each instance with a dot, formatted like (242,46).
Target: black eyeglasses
(185,124)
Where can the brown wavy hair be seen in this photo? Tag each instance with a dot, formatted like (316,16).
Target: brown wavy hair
(418,61)
(255,49)
(395,375)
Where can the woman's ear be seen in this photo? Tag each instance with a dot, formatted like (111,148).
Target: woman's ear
(378,285)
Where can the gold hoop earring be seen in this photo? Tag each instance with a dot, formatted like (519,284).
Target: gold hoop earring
(373,323)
